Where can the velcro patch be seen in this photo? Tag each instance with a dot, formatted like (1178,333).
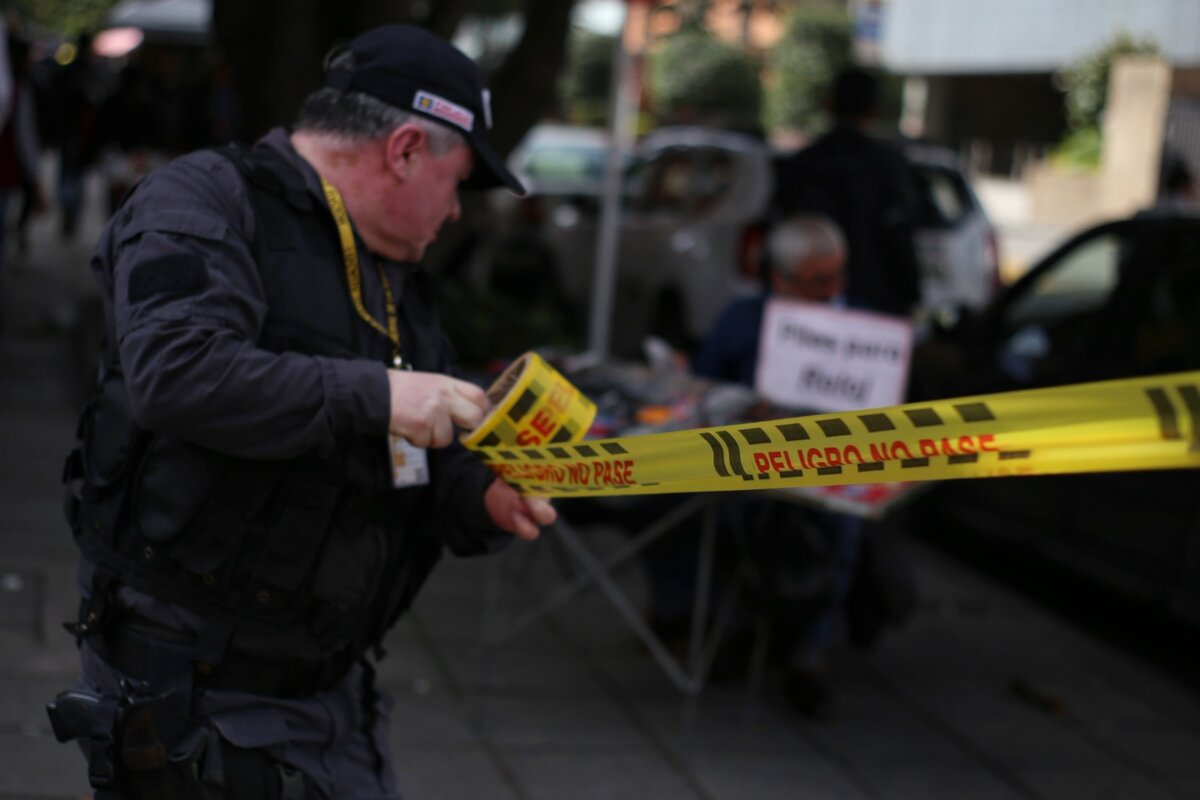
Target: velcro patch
(442,108)
(167,275)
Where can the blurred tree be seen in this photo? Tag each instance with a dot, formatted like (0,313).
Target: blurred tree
(1085,88)
(587,80)
(64,16)
(1085,83)
(276,49)
(816,44)
(695,79)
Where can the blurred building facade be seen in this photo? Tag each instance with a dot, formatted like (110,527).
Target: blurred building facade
(981,72)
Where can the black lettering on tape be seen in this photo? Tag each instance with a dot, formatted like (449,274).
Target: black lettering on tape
(1191,400)
(923,417)
(793,431)
(834,427)
(974,412)
(735,455)
(718,454)
(754,435)
(877,422)
(1168,422)
(522,406)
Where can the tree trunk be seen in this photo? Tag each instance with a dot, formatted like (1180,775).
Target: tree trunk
(526,85)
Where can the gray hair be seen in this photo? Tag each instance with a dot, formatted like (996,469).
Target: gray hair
(354,117)
(797,239)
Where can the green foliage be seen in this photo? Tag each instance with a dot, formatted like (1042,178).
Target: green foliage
(815,45)
(64,16)
(587,80)
(1079,151)
(696,79)
(1085,83)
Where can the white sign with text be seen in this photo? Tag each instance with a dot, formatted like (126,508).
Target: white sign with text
(822,358)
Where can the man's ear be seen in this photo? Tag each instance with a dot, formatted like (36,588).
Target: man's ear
(402,148)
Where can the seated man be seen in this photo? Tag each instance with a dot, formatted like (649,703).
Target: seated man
(806,558)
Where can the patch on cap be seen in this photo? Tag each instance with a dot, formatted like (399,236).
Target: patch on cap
(442,108)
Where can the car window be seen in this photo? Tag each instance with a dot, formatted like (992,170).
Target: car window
(1166,334)
(1081,281)
(682,180)
(565,162)
(946,199)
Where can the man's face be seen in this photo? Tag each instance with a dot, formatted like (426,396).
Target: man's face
(416,208)
(817,279)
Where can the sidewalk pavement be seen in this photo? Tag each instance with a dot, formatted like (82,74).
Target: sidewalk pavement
(572,708)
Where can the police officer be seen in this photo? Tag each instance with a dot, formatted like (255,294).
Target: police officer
(267,469)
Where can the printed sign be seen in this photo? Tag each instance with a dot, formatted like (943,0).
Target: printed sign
(821,358)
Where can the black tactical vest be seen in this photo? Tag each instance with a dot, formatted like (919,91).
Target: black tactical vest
(296,559)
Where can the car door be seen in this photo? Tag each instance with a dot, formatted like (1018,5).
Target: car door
(1118,301)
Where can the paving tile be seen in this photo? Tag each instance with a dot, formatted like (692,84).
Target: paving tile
(457,774)
(595,776)
(924,779)
(736,776)
(722,724)
(1107,781)
(555,723)
(38,766)
(431,718)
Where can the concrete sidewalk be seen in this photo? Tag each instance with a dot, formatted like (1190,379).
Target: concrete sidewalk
(572,708)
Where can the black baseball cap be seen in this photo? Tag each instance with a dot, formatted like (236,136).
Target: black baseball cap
(414,70)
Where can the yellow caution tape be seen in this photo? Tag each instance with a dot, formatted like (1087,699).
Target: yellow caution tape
(533,439)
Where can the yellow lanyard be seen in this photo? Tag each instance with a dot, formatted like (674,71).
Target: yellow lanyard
(354,275)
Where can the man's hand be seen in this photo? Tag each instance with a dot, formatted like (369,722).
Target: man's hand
(515,513)
(426,406)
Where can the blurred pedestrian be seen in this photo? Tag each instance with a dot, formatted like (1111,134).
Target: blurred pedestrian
(20,150)
(268,469)
(865,186)
(76,94)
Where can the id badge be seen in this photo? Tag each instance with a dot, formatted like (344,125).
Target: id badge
(410,467)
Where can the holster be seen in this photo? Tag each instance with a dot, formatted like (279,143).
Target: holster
(141,747)
(147,748)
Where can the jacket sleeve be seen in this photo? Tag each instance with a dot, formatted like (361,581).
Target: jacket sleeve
(188,310)
(461,482)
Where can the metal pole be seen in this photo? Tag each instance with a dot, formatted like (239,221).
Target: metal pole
(608,237)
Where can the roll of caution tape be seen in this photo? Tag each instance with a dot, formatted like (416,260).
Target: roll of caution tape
(534,439)
(532,404)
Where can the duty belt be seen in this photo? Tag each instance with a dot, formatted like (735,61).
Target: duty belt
(155,655)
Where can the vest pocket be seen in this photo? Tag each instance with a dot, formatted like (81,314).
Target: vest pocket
(351,567)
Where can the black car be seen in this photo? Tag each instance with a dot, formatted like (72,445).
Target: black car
(1119,300)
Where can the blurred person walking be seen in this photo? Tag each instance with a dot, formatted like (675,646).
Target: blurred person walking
(867,188)
(20,150)
(76,93)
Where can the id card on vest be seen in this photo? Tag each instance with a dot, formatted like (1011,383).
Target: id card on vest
(410,467)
